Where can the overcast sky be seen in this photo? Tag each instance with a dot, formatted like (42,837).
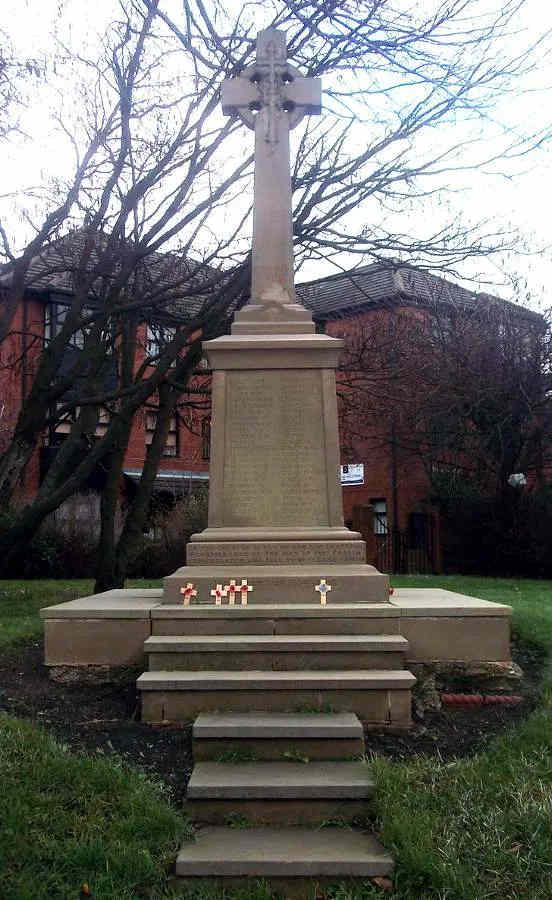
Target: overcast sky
(521,196)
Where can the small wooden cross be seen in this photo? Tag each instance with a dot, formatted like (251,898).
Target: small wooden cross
(188,593)
(218,593)
(231,589)
(322,589)
(244,588)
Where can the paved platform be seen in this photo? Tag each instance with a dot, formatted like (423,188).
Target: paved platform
(128,603)
(110,629)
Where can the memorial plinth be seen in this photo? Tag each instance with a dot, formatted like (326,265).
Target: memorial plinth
(275,505)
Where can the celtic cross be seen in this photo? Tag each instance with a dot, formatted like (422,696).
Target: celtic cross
(271,97)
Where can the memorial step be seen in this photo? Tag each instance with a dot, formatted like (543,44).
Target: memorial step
(293,584)
(276,652)
(379,697)
(208,619)
(279,793)
(272,736)
(278,854)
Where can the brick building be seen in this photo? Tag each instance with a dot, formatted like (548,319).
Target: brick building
(385,493)
(386,486)
(39,316)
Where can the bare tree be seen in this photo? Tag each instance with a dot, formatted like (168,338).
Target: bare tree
(157,168)
(394,77)
(461,390)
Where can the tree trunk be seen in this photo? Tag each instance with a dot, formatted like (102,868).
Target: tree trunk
(136,516)
(107,572)
(12,466)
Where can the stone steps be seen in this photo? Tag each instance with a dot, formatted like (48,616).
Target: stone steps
(242,798)
(291,853)
(277,737)
(275,652)
(289,793)
(377,696)
(277,619)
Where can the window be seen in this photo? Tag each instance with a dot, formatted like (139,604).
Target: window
(379,507)
(171,444)
(205,438)
(157,337)
(63,427)
(55,313)
(103,422)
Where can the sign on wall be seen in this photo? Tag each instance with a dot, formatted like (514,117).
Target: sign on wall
(352,473)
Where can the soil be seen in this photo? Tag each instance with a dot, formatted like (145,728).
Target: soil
(105,719)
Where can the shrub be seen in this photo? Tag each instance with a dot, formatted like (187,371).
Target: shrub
(506,535)
(165,550)
(57,550)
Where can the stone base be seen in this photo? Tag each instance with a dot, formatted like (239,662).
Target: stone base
(109,629)
(283,584)
(269,553)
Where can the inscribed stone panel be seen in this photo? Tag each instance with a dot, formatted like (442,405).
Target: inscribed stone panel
(275,460)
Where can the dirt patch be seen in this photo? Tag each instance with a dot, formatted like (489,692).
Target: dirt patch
(458,731)
(104,719)
(99,719)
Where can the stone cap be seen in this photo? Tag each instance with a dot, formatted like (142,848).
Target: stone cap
(130,603)
(273,351)
(439,602)
(300,535)
(346,680)
(274,342)
(277,725)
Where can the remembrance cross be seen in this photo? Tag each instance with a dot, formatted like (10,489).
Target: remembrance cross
(271,97)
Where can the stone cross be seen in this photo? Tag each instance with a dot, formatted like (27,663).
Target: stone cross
(323,589)
(271,97)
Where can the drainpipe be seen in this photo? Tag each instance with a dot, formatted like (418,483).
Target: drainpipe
(394,499)
(23,372)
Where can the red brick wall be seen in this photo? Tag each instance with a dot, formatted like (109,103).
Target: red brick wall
(372,445)
(411,483)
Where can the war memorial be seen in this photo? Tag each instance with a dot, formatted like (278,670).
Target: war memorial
(276,639)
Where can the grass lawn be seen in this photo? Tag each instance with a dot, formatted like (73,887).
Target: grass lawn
(20,602)
(471,829)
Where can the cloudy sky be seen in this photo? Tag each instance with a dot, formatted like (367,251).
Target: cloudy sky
(517,194)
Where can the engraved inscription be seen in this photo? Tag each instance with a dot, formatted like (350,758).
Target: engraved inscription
(276,553)
(275,461)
